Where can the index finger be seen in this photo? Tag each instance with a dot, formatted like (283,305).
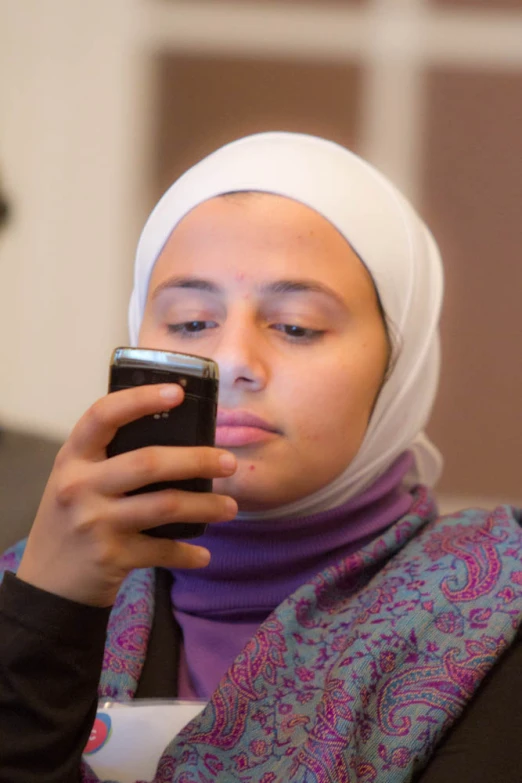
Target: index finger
(97,427)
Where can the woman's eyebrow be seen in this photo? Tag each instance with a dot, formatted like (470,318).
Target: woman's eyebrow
(300,286)
(193,283)
(275,288)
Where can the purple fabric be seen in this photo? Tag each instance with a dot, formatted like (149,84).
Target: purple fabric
(256,564)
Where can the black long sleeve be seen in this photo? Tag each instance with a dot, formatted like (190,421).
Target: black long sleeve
(51,652)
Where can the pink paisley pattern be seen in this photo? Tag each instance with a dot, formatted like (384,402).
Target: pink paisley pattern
(356,676)
(128,636)
(447,685)
(476,560)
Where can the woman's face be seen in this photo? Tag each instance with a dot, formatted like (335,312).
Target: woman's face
(273,293)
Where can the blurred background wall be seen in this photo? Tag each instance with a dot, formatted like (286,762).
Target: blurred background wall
(105,102)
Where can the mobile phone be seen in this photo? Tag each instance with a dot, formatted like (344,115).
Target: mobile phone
(193,423)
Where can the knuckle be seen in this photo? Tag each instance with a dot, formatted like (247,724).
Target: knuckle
(203,461)
(166,556)
(95,416)
(146,464)
(70,486)
(104,553)
(169,505)
(87,522)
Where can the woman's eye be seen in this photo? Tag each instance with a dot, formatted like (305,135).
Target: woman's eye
(191,328)
(298,332)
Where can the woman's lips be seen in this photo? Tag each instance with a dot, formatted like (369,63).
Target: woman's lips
(241,428)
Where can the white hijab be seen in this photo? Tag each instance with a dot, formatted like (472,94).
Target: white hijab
(393,243)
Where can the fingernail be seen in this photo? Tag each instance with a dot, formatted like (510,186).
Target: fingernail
(201,556)
(170,392)
(231,507)
(227,463)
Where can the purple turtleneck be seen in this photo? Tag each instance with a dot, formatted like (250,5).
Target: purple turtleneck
(256,564)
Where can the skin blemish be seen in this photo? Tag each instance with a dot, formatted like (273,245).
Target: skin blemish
(240,277)
(251,467)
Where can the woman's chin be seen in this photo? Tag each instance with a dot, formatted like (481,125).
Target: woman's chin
(247,493)
(254,490)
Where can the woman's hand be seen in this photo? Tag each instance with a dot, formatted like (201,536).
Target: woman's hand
(87,534)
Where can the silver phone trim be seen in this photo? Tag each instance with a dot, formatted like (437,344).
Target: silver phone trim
(197,366)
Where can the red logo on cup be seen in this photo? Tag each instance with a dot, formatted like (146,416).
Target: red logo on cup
(100,733)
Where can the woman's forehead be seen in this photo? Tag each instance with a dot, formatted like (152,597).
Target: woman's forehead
(274,215)
(257,233)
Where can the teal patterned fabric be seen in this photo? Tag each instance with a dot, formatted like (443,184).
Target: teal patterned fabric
(357,675)
(127,636)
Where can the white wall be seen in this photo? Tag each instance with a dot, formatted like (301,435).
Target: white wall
(69,156)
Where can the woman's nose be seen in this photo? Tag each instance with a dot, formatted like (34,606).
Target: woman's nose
(241,356)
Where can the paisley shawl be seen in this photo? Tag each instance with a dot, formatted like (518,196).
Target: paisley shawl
(356,675)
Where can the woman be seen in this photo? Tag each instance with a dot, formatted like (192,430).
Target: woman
(339,630)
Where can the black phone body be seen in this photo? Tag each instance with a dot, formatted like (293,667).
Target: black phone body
(193,423)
